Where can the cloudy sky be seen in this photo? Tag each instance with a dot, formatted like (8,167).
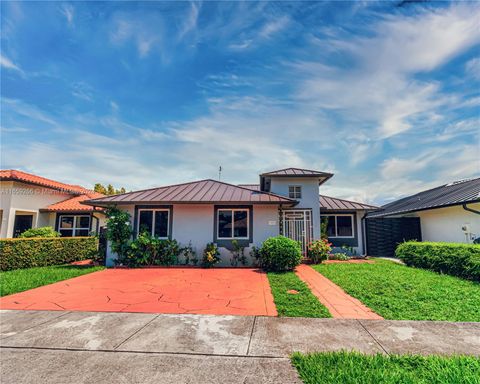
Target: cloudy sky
(384,95)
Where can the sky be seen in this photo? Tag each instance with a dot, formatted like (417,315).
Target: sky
(386,95)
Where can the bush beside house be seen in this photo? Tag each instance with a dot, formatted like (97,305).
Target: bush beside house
(40,232)
(41,252)
(461,260)
(279,254)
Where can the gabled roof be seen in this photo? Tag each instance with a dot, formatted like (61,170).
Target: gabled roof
(200,192)
(12,174)
(73,204)
(297,172)
(455,193)
(333,203)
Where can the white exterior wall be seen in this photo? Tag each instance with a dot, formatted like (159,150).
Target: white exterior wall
(310,196)
(445,224)
(195,223)
(18,198)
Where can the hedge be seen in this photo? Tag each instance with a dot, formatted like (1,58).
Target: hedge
(462,260)
(41,252)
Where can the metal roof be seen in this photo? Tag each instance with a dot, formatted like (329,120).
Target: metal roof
(297,172)
(327,202)
(333,203)
(200,192)
(456,193)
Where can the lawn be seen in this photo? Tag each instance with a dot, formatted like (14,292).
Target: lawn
(302,304)
(20,280)
(398,292)
(356,368)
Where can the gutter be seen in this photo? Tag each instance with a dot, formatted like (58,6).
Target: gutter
(470,209)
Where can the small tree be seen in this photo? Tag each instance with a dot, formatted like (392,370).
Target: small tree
(119,231)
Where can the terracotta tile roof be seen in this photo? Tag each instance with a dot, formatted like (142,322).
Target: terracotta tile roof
(455,193)
(12,174)
(200,192)
(297,172)
(73,204)
(333,203)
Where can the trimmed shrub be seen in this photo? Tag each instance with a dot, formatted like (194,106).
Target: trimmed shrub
(40,232)
(42,252)
(462,260)
(279,254)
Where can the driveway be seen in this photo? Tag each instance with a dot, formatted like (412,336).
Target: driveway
(235,291)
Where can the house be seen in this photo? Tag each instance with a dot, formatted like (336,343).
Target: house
(30,201)
(450,213)
(285,202)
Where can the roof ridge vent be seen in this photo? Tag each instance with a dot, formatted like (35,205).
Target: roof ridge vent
(459,182)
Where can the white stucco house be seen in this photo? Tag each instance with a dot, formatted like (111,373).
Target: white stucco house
(284,202)
(449,213)
(30,201)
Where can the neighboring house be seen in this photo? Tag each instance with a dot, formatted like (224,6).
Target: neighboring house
(30,201)
(285,202)
(448,213)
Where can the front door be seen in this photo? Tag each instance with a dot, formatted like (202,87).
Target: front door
(297,225)
(22,223)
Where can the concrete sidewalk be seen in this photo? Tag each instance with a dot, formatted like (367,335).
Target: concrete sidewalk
(85,347)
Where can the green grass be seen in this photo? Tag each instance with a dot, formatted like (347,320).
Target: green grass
(303,304)
(20,280)
(398,292)
(356,368)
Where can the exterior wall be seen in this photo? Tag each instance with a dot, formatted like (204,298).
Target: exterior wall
(358,240)
(310,196)
(194,223)
(21,198)
(445,224)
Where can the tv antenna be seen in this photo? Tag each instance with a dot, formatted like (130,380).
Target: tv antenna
(219,173)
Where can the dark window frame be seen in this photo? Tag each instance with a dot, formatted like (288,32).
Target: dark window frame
(227,243)
(136,220)
(336,236)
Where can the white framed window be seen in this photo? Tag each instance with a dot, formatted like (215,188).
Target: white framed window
(74,225)
(154,221)
(295,191)
(233,223)
(340,225)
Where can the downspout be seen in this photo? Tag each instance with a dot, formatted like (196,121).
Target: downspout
(470,209)
(364,233)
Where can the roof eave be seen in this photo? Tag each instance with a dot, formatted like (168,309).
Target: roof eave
(106,204)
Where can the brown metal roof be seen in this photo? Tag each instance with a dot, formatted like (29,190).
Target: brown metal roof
(333,203)
(297,172)
(200,192)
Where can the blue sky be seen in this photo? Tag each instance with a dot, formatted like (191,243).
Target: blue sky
(147,94)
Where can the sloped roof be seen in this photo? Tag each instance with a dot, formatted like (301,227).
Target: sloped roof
(327,202)
(203,191)
(73,204)
(333,203)
(297,172)
(12,174)
(455,193)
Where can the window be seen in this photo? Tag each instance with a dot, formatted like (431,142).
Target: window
(232,223)
(154,221)
(295,191)
(340,225)
(74,225)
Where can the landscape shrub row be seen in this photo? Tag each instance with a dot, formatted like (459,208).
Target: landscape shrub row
(42,252)
(461,260)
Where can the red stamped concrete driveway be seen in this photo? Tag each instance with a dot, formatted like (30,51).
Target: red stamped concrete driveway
(156,290)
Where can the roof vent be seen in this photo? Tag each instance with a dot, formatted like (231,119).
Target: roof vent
(458,182)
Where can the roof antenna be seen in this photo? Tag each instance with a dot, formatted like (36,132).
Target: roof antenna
(219,173)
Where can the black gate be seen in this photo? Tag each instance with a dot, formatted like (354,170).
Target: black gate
(384,234)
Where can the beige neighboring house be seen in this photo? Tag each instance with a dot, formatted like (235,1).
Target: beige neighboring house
(30,201)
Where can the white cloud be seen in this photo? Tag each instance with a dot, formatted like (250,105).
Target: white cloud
(273,27)
(190,21)
(6,63)
(68,11)
(473,68)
